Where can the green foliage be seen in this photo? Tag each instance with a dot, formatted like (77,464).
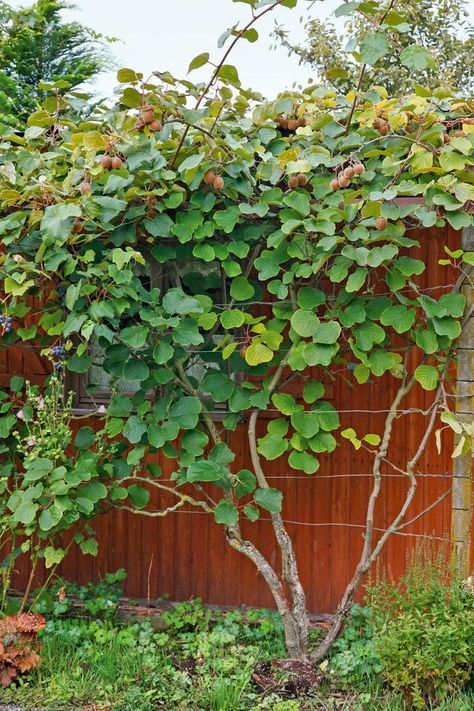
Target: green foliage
(354,658)
(423,630)
(434,45)
(192,666)
(40,52)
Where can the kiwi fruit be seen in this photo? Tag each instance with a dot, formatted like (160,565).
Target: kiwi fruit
(106,162)
(293,182)
(293,124)
(359,169)
(85,188)
(209,177)
(117,162)
(151,213)
(156,125)
(381,222)
(378,122)
(334,184)
(446,138)
(77,227)
(383,130)
(218,182)
(243,351)
(342,181)
(349,172)
(148,114)
(139,123)
(302,179)
(459,133)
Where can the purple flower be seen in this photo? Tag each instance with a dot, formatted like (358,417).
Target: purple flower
(40,404)
(20,414)
(102,409)
(31,441)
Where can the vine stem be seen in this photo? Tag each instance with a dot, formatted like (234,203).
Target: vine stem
(363,70)
(216,71)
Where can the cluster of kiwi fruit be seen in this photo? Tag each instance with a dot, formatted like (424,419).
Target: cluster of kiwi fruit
(148,118)
(290,124)
(344,177)
(297,181)
(109,162)
(210,178)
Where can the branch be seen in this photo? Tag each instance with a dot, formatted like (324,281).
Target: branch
(215,73)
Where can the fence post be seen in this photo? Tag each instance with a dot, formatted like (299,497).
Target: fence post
(462,495)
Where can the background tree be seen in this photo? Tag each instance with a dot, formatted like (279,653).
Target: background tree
(440,26)
(36,45)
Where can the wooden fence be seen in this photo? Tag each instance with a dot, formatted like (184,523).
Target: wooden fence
(186,555)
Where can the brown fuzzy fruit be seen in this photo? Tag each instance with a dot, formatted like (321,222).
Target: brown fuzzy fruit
(383,130)
(151,214)
(459,133)
(349,172)
(302,179)
(139,123)
(343,182)
(243,351)
(77,227)
(359,169)
(334,184)
(85,188)
(209,177)
(293,182)
(293,124)
(378,122)
(106,162)
(218,182)
(117,162)
(381,222)
(156,125)
(446,138)
(302,121)
(148,114)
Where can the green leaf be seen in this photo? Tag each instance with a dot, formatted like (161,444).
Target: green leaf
(135,369)
(175,301)
(50,517)
(79,364)
(373,47)
(247,482)
(299,201)
(327,332)
(272,446)
(226,513)
(416,57)
(234,318)
(304,322)
(134,429)
(206,470)
(312,391)
(230,74)
(85,438)
(57,221)
(93,491)
(427,376)
(185,412)
(269,499)
(252,513)
(219,385)
(241,289)
(306,423)
(138,495)
(285,403)
(303,461)
(258,353)
(199,61)
(134,336)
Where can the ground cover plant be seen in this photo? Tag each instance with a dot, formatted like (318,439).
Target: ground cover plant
(207,248)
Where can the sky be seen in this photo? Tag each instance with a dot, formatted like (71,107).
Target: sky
(167,34)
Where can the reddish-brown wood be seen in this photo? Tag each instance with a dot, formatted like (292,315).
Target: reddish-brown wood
(186,554)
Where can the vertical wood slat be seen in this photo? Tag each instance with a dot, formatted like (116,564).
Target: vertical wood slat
(190,555)
(461,514)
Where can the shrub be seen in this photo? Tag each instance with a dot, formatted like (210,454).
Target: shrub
(354,655)
(18,645)
(423,630)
